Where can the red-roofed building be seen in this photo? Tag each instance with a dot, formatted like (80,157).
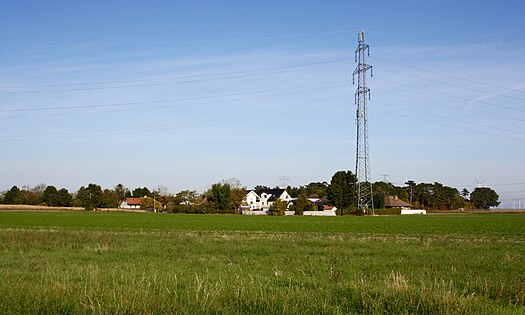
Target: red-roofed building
(131,203)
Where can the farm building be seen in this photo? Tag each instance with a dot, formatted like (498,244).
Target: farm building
(131,203)
(395,202)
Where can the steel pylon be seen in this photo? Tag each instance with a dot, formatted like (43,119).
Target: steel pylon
(364,196)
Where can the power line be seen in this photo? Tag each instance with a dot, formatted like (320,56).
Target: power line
(492,115)
(175,43)
(159,84)
(172,77)
(449,84)
(454,96)
(201,123)
(33,109)
(444,124)
(451,76)
(460,120)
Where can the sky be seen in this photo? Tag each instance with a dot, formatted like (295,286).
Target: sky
(184,94)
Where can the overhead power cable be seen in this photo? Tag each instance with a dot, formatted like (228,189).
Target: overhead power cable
(492,115)
(460,120)
(180,42)
(454,96)
(53,108)
(448,84)
(151,84)
(450,76)
(201,123)
(174,77)
(444,124)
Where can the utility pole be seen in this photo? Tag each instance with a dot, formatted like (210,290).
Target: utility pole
(364,202)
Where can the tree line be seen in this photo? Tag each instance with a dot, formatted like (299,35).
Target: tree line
(224,196)
(227,196)
(341,192)
(431,196)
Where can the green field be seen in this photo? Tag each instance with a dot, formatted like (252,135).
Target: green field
(88,262)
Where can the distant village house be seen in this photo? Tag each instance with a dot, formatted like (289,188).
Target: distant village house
(131,203)
(253,202)
(395,202)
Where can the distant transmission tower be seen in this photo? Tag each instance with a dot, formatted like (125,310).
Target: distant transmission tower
(364,196)
(283,181)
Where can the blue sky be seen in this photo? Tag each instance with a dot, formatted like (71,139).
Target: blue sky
(186,93)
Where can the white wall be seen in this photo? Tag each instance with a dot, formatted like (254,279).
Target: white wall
(326,213)
(254,212)
(414,211)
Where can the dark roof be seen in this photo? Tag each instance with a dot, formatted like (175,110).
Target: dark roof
(274,193)
(277,191)
(395,202)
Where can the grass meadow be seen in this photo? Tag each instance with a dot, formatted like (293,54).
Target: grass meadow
(129,263)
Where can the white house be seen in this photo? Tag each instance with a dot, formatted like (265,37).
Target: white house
(131,203)
(269,196)
(253,202)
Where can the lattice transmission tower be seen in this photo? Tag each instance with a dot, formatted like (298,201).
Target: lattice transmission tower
(364,197)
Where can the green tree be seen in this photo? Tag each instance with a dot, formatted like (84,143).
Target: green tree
(64,198)
(220,195)
(50,196)
(341,192)
(411,186)
(147,203)
(317,190)
(188,196)
(109,199)
(380,191)
(90,197)
(121,191)
(11,196)
(237,196)
(294,191)
(238,191)
(301,204)
(141,192)
(422,194)
(484,198)
(30,195)
(278,207)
